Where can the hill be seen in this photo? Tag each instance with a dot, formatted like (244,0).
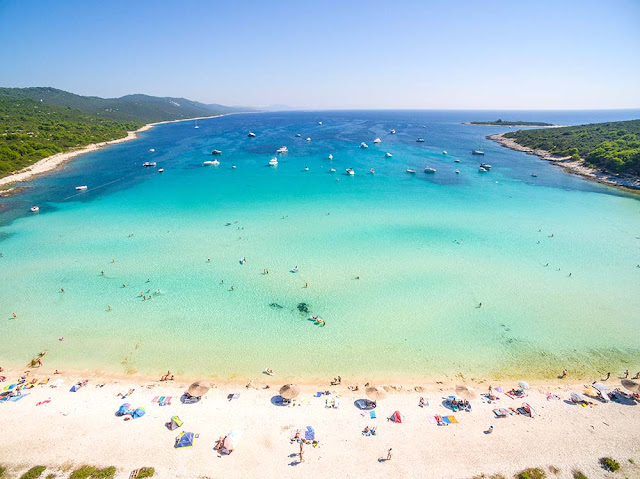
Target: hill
(613,146)
(500,122)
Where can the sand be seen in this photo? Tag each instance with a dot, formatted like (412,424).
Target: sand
(81,427)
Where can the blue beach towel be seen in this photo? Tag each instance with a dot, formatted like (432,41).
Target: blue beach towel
(372,414)
(310,434)
(17,398)
(446,419)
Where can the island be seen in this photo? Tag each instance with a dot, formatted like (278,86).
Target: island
(500,122)
(605,152)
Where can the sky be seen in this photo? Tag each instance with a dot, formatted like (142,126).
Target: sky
(560,54)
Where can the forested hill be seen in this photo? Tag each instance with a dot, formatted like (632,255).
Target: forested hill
(613,146)
(39,122)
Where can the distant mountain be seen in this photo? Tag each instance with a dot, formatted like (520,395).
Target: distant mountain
(135,108)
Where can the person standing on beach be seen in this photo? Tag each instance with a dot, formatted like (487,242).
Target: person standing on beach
(564,373)
(626,374)
(389,454)
(301,451)
(608,376)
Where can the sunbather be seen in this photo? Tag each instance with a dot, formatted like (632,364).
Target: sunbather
(219,443)
(422,402)
(439,420)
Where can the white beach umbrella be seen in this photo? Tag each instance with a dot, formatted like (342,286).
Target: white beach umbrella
(577,397)
(601,388)
(523,384)
(232,440)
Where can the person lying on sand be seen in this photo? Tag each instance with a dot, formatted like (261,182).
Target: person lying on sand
(422,402)
(219,443)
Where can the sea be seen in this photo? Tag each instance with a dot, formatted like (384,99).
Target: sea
(217,272)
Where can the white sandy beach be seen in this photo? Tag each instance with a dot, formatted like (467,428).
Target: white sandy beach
(77,428)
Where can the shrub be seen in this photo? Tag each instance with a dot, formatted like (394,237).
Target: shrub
(92,472)
(554,470)
(146,472)
(609,464)
(579,475)
(34,472)
(531,473)
(3,472)
(51,476)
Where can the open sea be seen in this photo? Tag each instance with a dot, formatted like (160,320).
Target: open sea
(396,264)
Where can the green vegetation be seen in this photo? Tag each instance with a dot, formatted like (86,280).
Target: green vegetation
(146,472)
(500,122)
(554,470)
(531,473)
(609,464)
(92,472)
(579,475)
(34,472)
(51,476)
(3,472)
(492,476)
(613,146)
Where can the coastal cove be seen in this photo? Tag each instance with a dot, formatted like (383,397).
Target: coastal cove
(396,264)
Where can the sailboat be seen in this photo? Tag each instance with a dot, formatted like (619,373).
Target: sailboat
(196,124)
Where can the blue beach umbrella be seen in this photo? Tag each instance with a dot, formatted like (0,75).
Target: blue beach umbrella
(185,439)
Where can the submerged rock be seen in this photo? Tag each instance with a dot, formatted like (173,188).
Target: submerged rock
(303,308)
(276,306)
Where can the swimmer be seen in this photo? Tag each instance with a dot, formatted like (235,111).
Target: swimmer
(306,285)
(357,277)
(148,280)
(158,292)
(479,305)
(208,260)
(61,339)
(108,308)
(233,288)
(62,290)
(15,315)
(113,260)
(124,285)
(102,273)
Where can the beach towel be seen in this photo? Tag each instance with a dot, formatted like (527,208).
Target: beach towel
(450,419)
(43,402)
(432,420)
(166,402)
(17,398)
(10,387)
(310,434)
(499,389)
(372,414)
(230,397)
(501,412)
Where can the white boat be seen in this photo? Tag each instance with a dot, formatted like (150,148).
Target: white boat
(269,371)
(308,138)
(330,156)
(388,155)
(393,132)
(196,124)
(282,150)
(161,170)
(211,163)
(482,170)
(420,140)
(319,123)
(377,140)
(534,175)
(152,150)
(444,152)
(35,209)
(147,164)
(457,172)
(350,172)
(428,169)
(216,152)
(477,152)
(233,167)
(80,188)
(251,134)
(409,170)
(456,161)
(273,162)
(332,170)
(298,135)
(364,145)
(306,168)
(372,171)
(485,166)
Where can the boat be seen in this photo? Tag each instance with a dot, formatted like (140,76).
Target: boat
(332,170)
(377,140)
(409,170)
(477,152)
(444,152)
(388,155)
(319,123)
(35,209)
(485,166)
(306,168)
(81,188)
(308,138)
(393,132)
(534,175)
(196,124)
(216,152)
(456,161)
(364,145)
(233,167)
(420,140)
(211,163)
(350,172)
(161,170)
(152,150)
(273,161)
(298,135)
(269,371)
(282,150)
(482,170)
(428,169)
(147,164)
(330,156)
(372,171)
(457,172)
(251,134)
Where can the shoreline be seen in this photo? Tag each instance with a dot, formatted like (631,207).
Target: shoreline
(513,126)
(576,167)
(53,162)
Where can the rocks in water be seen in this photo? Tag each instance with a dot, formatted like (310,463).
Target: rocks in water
(276,306)
(303,308)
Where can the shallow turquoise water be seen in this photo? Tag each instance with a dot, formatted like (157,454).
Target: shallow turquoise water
(426,248)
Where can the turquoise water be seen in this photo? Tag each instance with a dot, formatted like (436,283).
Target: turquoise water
(427,249)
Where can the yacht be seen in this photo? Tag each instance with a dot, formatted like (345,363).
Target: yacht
(350,172)
(308,138)
(444,152)
(152,150)
(477,152)
(364,145)
(428,169)
(457,172)
(282,150)
(330,156)
(485,166)
(216,152)
(161,170)
(147,164)
(409,170)
(482,170)
(393,132)
(377,140)
(251,134)
(420,140)
(456,161)
(273,161)
(211,163)
(35,209)
(81,188)
(319,123)
(388,155)
(332,170)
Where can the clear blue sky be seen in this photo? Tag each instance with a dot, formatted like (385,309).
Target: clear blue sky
(540,54)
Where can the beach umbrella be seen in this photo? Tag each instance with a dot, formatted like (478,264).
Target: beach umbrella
(198,389)
(289,391)
(466,392)
(232,440)
(601,388)
(523,384)
(577,397)
(376,393)
(632,386)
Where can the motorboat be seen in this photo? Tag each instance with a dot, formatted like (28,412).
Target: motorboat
(196,124)
(428,169)
(377,140)
(364,145)
(388,155)
(319,123)
(409,170)
(420,140)
(393,132)
(273,162)
(457,172)
(332,170)
(282,150)
(35,209)
(534,175)
(308,138)
(372,171)
(152,150)
(456,160)
(482,170)
(161,170)
(444,152)
(306,168)
(485,166)
(251,134)
(81,188)
(350,172)
(298,135)
(330,156)
(233,167)
(477,152)
(148,164)
(216,152)
(211,163)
